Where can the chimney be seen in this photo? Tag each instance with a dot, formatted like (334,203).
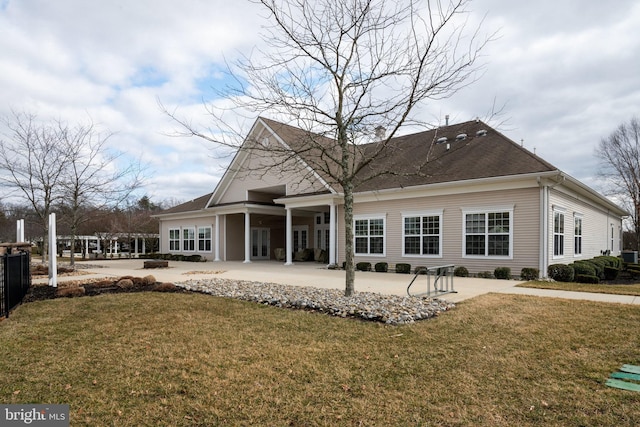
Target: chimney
(381,133)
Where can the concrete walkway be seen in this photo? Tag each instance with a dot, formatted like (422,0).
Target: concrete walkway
(314,274)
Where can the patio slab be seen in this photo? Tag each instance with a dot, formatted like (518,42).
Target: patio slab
(314,274)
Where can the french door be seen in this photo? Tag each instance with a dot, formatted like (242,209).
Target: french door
(260,243)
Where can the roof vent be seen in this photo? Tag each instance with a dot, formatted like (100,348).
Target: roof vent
(461,137)
(481,132)
(441,140)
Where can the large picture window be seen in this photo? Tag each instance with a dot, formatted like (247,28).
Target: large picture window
(188,239)
(174,239)
(369,236)
(204,239)
(422,234)
(488,233)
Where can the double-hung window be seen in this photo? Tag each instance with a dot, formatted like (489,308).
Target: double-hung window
(422,234)
(369,236)
(577,235)
(488,233)
(174,239)
(188,239)
(558,233)
(204,239)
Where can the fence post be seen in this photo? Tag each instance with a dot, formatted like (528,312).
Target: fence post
(53,252)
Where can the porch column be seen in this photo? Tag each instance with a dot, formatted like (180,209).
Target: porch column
(217,244)
(135,251)
(144,246)
(247,237)
(332,235)
(289,232)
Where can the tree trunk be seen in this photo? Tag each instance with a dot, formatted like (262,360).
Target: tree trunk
(348,235)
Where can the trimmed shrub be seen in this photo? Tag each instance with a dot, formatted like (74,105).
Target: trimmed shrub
(403,268)
(585,268)
(70,292)
(363,266)
(485,275)
(461,272)
(610,261)
(611,273)
(529,273)
(420,270)
(381,267)
(502,273)
(598,265)
(149,280)
(561,272)
(585,278)
(125,284)
(165,287)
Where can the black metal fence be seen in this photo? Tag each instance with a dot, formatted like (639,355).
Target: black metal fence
(15,280)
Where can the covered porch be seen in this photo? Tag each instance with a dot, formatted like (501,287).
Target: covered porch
(254,231)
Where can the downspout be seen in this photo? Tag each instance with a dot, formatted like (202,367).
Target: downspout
(545,228)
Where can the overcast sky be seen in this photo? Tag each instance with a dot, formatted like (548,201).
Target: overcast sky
(566,72)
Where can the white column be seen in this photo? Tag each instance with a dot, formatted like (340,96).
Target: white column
(20,230)
(53,261)
(247,237)
(98,245)
(332,235)
(144,246)
(217,238)
(289,233)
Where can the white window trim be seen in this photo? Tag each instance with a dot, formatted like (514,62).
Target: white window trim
(562,211)
(383,217)
(421,214)
(579,216)
(179,240)
(210,239)
(195,239)
(486,211)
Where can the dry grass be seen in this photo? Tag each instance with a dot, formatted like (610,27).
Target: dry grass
(630,289)
(152,359)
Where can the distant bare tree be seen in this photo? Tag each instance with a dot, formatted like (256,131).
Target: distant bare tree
(32,164)
(340,69)
(55,165)
(93,177)
(619,155)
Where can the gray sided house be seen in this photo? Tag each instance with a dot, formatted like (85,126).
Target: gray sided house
(481,201)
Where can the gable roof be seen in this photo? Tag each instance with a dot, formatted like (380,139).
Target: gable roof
(472,150)
(190,206)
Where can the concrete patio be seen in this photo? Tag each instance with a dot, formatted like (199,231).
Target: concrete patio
(314,274)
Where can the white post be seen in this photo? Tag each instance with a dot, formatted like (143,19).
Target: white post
(247,237)
(20,230)
(53,249)
(289,232)
(217,237)
(144,246)
(135,251)
(332,235)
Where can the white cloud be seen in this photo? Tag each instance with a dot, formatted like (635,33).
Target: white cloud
(566,72)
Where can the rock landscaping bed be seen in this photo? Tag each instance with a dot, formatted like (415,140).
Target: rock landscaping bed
(92,287)
(389,309)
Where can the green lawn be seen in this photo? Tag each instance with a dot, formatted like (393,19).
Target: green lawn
(157,359)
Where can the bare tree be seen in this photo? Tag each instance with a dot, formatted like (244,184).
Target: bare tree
(93,177)
(33,165)
(619,155)
(340,69)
